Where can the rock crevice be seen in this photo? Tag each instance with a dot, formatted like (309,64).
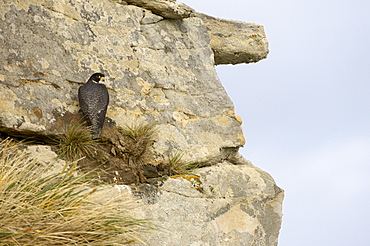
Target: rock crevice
(158,58)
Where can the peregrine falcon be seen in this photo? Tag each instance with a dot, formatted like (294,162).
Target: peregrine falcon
(94,98)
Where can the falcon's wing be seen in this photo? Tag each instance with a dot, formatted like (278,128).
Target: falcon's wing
(103,104)
(82,99)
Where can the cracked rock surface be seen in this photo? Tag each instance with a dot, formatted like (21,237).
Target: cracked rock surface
(157,70)
(159,67)
(170,9)
(236,42)
(235,205)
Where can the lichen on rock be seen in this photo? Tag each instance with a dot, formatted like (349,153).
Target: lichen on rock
(159,72)
(158,58)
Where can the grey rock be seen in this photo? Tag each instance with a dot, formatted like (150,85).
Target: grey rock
(170,9)
(238,205)
(236,42)
(157,70)
(46,159)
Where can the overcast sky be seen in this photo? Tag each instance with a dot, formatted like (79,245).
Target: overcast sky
(305,112)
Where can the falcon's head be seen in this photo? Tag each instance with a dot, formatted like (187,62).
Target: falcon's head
(97,77)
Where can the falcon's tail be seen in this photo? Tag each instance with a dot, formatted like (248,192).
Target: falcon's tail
(96,133)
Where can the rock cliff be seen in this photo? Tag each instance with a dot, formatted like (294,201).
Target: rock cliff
(158,57)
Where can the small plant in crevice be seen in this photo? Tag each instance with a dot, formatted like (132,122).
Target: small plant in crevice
(175,165)
(42,208)
(137,140)
(76,142)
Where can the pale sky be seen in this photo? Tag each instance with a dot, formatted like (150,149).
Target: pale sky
(305,112)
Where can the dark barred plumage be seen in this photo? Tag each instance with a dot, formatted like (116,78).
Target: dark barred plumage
(94,98)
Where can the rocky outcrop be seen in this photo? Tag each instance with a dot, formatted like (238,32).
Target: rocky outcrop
(232,42)
(231,205)
(170,9)
(224,204)
(159,66)
(235,42)
(158,70)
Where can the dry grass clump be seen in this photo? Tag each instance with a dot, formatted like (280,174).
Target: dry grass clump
(175,165)
(76,142)
(138,138)
(55,209)
(136,141)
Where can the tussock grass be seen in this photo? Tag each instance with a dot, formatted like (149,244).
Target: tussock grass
(76,142)
(56,209)
(138,138)
(175,164)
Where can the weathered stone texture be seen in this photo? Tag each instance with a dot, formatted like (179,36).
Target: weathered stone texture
(228,205)
(234,205)
(45,157)
(236,42)
(158,70)
(167,8)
